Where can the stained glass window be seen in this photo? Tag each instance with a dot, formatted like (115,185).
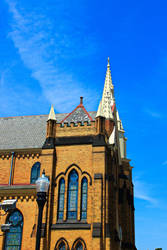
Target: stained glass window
(62,246)
(14,236)
(79,246)
(72,195)
(61,199)
(35,172)
(84,191)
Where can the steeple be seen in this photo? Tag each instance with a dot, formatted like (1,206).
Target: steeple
(108,94)
(52,115)
(106,109)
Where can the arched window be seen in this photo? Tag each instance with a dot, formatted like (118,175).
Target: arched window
(84,192)
(62,244)
(72,195)
(35,172)
(61,199)
(79,244)
(13,238)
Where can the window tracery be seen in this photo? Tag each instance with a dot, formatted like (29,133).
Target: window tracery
(72,195)
(61,199)
(84,190)
(13,237)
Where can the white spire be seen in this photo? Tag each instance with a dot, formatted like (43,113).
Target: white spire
(108,94)
(52,115)
(100,111)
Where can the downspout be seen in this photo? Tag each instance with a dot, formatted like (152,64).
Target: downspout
(11,169)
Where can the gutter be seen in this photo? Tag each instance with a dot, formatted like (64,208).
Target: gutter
(11,170)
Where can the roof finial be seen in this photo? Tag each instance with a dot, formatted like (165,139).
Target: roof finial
(81,99)
(52,115)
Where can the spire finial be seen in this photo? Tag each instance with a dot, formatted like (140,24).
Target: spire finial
(108,65)
(52,115)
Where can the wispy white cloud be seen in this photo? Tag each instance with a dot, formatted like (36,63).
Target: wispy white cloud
(142,191)
(14,98)
(42,45)
(153,114)
(164,163)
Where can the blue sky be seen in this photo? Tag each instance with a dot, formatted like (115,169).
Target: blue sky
(56,51)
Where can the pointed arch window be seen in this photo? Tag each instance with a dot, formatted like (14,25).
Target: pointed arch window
(13,238)
(35,172)
(62,246)
(61,199)
(84,192)
(79,246)
(72,195)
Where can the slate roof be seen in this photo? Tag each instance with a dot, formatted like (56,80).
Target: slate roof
(23,132)
(79,114)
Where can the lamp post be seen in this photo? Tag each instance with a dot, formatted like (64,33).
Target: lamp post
(42,186)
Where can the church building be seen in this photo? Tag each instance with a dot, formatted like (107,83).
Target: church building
(90,202)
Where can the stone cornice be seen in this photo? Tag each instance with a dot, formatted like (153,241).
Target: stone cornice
(20,154)
(17,192)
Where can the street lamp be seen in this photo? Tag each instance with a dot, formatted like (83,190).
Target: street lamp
(42,186)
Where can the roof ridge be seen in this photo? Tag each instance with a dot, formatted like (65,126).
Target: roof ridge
(29,115)
(8,117)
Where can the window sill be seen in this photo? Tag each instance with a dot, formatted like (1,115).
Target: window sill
(70,225)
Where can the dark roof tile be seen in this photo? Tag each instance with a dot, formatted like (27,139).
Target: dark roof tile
(29,131)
